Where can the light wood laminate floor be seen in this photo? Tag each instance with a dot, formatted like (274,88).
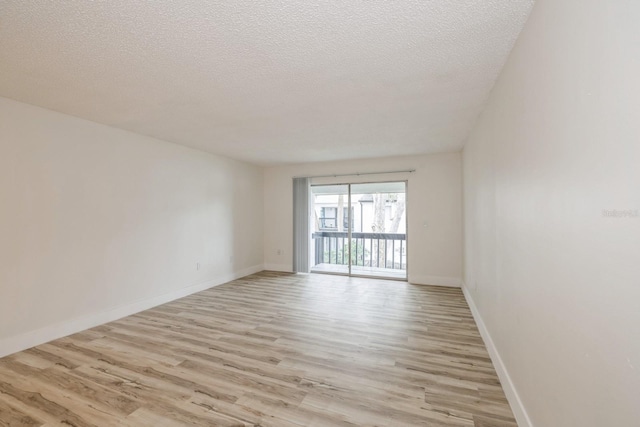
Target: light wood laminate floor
(271,349)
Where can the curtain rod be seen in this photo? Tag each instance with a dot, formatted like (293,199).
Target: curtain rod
(355,174)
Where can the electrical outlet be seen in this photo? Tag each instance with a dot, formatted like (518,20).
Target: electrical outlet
(279,252)
(197,266)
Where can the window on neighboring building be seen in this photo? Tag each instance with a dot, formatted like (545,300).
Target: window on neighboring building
(328,218)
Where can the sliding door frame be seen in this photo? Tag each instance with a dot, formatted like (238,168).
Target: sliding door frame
(350,229)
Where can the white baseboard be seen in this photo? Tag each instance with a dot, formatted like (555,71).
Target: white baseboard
(287,268)
(51,332)
(510,391)
(452,282)
(242,273)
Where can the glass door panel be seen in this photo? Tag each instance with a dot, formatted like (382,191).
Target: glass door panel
(379,235)
(330,229)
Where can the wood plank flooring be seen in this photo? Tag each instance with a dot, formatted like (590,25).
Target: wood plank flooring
(271,349)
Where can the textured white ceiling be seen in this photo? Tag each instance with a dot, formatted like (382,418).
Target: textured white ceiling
(266,81)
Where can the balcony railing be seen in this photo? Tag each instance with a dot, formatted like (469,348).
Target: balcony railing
(381,250)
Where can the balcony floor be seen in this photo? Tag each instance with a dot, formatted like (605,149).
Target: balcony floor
(388,273)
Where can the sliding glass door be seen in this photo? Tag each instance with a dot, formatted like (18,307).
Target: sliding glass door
(360,229)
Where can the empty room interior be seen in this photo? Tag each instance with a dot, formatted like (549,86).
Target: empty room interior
(320,213)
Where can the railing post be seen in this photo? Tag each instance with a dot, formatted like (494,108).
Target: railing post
(323,252)
(385,253)
(393,254)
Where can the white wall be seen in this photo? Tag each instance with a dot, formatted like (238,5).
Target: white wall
(434,197)
(96,223)
(555,282)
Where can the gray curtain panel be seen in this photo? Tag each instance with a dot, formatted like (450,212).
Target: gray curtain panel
(301,225)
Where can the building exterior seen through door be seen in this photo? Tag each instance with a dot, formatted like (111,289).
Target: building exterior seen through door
(359,229)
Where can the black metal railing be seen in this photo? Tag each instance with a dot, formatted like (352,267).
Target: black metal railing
(382,250)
